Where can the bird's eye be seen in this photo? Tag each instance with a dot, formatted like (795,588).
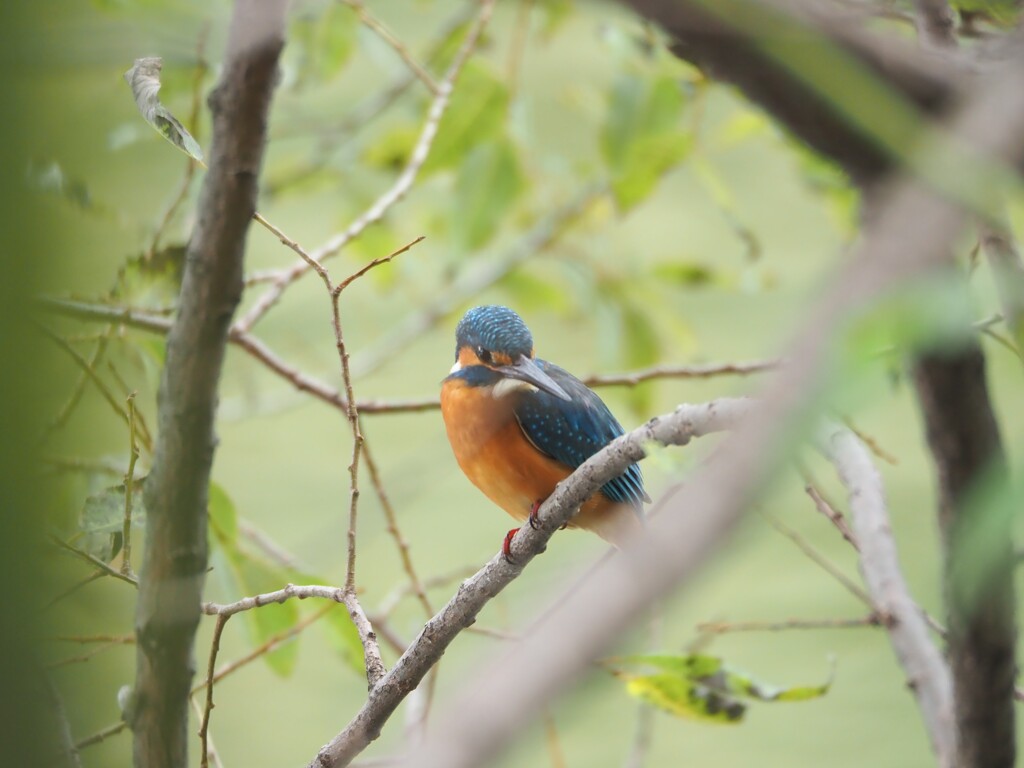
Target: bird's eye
(484,355)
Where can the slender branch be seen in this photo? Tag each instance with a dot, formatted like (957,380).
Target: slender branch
(833,514)
(210,750)
(278,596)
(375,669)
(103,735)
(79,389)
(204,727)
(927,674)
(385,34)
(396,533)
(820,560)
(270,644)
(83,657)
(724,627)
(392,196)
(68,750)
(95,561)
(129,489)
(699,371)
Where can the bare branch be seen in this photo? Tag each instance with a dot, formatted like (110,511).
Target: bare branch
(170,588)
(936,26)
(927,674)
(725,627)
(204,727)
(833,514)
(375,669)
(385,34)
(279,596)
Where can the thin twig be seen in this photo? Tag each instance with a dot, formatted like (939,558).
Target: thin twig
(826,564)
(210,750)
(83,657)
(552,741)
(375,669)
(93,560)
(833,514)
(79,389)
(385,34)
(396,533)
(270,644)
(871,443)
(723,627)
(204,728)
(129,486)
(393,195)
(278,596)
(106,733)
(699,371)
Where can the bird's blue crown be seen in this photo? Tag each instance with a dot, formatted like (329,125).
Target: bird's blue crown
(494,328)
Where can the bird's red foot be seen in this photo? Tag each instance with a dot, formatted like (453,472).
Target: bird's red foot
(534,509)
(506,546)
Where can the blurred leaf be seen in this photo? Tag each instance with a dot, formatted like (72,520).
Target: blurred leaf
(925,315)
(744,124)
(704,687)
(690,274)
(344,638)
(253,575)
(247,574)
(530,292)
(477,113)
(376,241)
(1002,13)
(641,138)
(993,507)
(324,42)
(391,149)
(152,280)
(223,517)
(144,80)
(51,179)
(103,512)
(489,182)
(554,14)
(684,698)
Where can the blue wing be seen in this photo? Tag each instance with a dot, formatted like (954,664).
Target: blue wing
(573,431)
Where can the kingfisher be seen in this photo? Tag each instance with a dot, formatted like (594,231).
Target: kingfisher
(519,425)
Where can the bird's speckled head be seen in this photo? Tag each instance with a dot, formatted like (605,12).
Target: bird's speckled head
(494,334)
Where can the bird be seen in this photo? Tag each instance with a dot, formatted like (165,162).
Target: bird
(519,425)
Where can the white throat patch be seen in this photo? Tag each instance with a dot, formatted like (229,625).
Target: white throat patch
(508,386)
(455,368)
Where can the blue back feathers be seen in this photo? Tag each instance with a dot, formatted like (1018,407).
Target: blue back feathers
(573,431)
(494,328)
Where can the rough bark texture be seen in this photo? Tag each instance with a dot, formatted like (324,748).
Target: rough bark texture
(175,562)
(964,441)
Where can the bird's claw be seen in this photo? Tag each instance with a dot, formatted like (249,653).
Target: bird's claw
(506,546)
(534,509)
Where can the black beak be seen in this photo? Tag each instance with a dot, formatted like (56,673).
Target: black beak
(527,370)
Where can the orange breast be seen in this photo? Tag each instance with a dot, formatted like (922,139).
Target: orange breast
(492,450)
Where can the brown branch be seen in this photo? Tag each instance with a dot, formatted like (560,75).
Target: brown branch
(175,562)
(724,627)
(833,514)
(95,561)
(129,489)
(375,669)
(204,727)
(103,735)
(699,371)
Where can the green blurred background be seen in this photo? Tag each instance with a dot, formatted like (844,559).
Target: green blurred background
(715,261)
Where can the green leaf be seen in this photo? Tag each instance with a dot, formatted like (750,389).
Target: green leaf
(152,280)
(253,575)
(344,638)
(641,138)
(690,274)
(684,698)
(223,517)
(477,113)
(554,14)
(704,687)
(392,148)
(488,183)
(144,80)
(103,512)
